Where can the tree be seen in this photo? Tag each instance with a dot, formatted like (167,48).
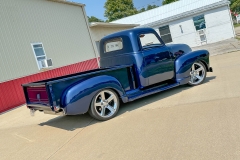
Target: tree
(168,1)
(94,19)
(148,8)
(151,7)
(235,5)
(142,10)
(117,9)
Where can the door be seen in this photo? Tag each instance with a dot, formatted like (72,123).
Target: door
(158,63)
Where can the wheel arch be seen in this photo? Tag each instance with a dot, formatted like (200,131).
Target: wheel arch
(77,99)
(205,65)
(118,94)
(184,63)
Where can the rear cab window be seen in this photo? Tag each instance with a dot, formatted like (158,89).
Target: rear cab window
(149,40)
(111,45)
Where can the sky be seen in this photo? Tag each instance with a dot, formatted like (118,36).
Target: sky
(96,7)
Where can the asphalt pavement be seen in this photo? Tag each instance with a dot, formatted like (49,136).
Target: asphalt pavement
(184,123)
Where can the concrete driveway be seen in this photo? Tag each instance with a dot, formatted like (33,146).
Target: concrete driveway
(200,122)
(222,47)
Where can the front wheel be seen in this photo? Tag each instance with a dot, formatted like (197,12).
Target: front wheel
(198,74)
(104,105)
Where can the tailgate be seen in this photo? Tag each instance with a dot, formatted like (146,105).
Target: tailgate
(37,96)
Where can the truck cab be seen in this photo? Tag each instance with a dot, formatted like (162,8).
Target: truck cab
(153,61)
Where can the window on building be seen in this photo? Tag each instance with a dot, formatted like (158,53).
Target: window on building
(113,45)
(39,53)
(165,34)
(199,22)
(149,40)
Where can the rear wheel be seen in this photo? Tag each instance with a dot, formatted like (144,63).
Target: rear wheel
(104,105)
(198,74)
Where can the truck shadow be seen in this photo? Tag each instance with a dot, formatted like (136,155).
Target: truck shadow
(71,123)
(131,106)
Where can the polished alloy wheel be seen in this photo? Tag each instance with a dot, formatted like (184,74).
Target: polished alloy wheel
(106,103)
(198,73)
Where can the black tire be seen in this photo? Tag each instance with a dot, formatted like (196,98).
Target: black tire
(198,74)
(104,108)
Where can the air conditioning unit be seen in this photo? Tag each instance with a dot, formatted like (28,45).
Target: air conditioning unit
(202,36)
(46,63)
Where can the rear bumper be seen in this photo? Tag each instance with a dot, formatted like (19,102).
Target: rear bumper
(45,108)
(39,107)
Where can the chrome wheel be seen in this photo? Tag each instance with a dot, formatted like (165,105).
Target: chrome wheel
(198,73)
(106,104)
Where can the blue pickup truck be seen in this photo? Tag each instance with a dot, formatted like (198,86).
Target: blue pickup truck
(133,63)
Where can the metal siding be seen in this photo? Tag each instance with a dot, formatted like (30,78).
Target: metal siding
(12,93)
(189,35)
(218,28)
(219,25)
(60,27)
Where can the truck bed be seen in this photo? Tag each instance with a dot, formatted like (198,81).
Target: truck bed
(49,92)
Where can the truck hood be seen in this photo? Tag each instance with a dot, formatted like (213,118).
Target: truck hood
(177,50)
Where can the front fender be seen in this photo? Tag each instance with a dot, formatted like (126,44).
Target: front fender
(184,63)
(77,98)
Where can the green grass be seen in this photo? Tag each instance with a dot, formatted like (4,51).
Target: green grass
(238,38)
(236,25)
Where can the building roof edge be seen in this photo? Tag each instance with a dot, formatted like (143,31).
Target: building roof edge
(186,14)
(68,2)
(102,24)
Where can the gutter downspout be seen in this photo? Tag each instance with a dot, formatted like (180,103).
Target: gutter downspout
(89,32)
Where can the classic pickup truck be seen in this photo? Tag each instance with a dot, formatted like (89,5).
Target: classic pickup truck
(133,63)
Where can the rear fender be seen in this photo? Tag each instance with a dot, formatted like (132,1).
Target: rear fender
(184,63)
(77,98)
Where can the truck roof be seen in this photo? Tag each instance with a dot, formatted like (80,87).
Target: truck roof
(129,41)
(127,32)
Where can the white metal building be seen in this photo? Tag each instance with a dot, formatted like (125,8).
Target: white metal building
(194,22)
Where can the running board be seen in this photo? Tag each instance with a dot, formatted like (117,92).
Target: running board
(143,93)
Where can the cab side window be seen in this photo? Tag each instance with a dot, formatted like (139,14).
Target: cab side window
(149,40)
